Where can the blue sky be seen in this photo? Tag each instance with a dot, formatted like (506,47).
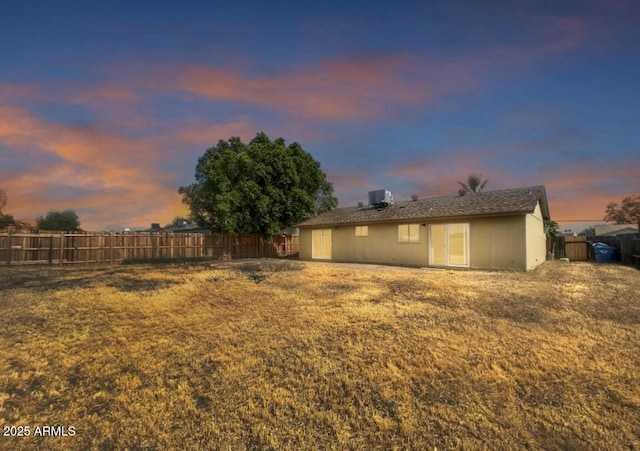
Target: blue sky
(106,106)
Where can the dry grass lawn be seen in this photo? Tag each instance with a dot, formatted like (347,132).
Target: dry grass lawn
(289,355)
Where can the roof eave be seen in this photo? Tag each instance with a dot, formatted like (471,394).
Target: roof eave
(544,204)
(416,218)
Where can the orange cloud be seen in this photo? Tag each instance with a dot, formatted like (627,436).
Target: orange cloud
(112,178)
(111,175)
(583,190)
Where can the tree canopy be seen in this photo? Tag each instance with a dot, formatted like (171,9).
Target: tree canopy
(627,213)
(261,187)
(588,232)
(551,228)
(474,184)
(5,220)
(66,220)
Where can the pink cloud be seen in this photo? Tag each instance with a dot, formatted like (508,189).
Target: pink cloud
(93,93)
(352,182)
(207,135)
(367,86)
(576,191)
(11,93)
(341,89)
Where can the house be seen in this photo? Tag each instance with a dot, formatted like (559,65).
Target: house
(493,230)
(181,226)
(615,229)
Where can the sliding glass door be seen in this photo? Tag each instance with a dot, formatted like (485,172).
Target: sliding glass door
(449,244)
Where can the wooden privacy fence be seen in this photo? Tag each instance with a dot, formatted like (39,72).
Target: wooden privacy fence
(113,247)
(577,248)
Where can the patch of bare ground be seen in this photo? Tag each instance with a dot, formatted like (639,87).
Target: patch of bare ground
(272,354)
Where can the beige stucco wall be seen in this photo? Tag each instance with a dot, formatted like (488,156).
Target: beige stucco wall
(498,243)
(536,239)
(494,243)
(381,246)
(305,244)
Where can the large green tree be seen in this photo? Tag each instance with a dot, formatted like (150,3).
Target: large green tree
(66,220)
(627,213)
(5,220)
(260,187)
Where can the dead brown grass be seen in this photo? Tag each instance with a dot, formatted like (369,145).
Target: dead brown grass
(291,355)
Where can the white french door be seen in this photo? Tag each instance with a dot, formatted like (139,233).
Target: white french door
(449,244)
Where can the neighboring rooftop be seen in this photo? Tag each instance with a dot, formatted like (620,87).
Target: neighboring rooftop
(489,203)
(182,226)
(616,229)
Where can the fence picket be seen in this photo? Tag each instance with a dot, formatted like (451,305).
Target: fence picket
(114,247)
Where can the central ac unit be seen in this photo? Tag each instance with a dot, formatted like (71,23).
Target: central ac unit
(380,197)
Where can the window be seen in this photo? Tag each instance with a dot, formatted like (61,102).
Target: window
(409,233)
(362,230)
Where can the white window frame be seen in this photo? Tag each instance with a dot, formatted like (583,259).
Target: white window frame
(467,227)
(405,235)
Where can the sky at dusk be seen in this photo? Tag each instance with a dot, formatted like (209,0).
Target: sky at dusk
(105,107)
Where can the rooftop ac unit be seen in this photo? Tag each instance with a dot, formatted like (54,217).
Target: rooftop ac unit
(380,197)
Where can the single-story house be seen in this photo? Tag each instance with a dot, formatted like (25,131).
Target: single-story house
(493,230)
(181,226)
(616,229)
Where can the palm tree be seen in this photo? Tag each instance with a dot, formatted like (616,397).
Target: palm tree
(474,184)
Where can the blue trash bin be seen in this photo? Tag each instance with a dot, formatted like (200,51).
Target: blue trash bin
(604,252)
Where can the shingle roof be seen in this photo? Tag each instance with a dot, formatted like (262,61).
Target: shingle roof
(615,229)
(490,203)
(192,228)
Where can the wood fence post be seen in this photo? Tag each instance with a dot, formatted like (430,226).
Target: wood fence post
(111,237)
(61,248)
(9,248)
(50,249)
(72,249)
